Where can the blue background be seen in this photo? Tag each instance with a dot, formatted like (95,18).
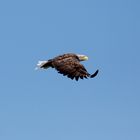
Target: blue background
(44,105)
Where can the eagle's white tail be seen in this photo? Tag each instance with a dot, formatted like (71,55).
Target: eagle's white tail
(40,64)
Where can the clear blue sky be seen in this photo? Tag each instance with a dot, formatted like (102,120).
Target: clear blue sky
(43,105)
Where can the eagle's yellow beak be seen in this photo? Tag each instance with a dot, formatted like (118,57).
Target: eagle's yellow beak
(85,58)
(82,57)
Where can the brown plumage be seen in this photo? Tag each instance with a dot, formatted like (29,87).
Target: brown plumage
(68,65)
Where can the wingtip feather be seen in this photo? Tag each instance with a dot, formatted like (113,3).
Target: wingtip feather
(94,74)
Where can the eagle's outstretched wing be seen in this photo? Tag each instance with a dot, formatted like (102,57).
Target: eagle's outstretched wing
(71,68)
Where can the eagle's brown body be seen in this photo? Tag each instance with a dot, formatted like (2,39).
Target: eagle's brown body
(68,65)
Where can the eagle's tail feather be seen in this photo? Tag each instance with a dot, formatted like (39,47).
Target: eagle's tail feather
(94,74)
(43,65)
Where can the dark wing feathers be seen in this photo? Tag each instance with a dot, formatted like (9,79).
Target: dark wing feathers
(94,74)
(71,68)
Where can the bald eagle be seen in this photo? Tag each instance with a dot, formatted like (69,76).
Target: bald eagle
(68,65)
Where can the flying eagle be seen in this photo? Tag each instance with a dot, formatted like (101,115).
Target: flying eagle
(68,65)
